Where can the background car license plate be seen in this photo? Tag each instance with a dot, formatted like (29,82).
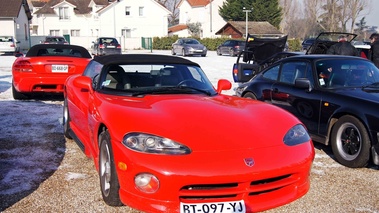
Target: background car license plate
(219,207)
(59,68)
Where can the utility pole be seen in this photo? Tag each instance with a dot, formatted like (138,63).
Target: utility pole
(247,19)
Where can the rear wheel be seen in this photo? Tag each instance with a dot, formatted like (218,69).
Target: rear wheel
(18,95)
(109,183)
(66,120)
(350,142)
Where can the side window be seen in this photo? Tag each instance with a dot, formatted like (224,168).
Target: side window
(92,69)
(272,73)
(293,70)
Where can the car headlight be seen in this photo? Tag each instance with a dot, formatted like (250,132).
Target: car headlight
(296,135)
(154,144)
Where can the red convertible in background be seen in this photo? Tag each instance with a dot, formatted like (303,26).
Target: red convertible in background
(163,139)
(46,67)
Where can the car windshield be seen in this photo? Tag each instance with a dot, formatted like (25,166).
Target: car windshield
(190,41)
(141,79)
(337,73)
(6,39)
(108,41)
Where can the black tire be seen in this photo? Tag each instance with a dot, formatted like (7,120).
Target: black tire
(66,120)
(203,55)
(350,142)
(109,183)
(18,95)
(250,95)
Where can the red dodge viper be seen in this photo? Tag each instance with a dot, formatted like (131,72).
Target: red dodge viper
(163,139)
(46,67)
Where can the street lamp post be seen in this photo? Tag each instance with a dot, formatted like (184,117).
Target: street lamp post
(247,18)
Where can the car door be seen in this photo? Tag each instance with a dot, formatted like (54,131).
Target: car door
(80,101)
(302,102)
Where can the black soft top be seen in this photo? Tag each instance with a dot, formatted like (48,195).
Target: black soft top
(142,59)
(58,50)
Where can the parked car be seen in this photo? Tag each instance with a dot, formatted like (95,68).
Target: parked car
(45,68)
(9,44)
(231,47)
(307,43)
(160,137)
(105,46)
(54,40)
(336,97)
(188,47)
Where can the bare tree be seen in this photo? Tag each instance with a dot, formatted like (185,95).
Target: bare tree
(356,7)
(171,5)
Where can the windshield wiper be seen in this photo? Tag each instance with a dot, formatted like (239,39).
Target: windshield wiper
(196,89)
(373,85)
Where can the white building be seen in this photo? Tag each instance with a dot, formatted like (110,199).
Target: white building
(85,20)
(204,12)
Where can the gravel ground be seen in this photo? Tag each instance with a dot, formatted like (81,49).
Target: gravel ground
(68,181)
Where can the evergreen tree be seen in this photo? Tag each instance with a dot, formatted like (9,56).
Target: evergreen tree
(262,10)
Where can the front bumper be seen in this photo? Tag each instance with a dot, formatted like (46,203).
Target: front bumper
(272,182)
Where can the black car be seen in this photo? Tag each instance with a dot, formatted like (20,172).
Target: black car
(231,47)
(336,97)
(54,40)
(105,46)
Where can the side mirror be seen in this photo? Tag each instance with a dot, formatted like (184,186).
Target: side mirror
(223,84)
(303,83)
(83,82)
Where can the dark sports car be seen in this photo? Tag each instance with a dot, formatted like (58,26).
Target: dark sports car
(160,137)
(336,97)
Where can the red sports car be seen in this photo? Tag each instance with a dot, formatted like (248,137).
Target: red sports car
(163,139)
(46,67)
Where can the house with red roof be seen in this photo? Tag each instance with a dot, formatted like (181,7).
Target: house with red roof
(85,20)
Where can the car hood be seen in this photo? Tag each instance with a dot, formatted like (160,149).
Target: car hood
(260,49)
(200,122)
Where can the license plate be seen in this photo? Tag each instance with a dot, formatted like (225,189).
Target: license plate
(59,68)
(111,46)
(218,207)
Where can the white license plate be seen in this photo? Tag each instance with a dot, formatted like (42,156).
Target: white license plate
(59,68)
(217,207)
(111,46)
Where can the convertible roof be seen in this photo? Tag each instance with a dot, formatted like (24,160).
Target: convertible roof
(142,59)
(34,50)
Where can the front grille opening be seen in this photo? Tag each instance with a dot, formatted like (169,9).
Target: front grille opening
(263,192)
(45,87)
(269,180)
(210,186)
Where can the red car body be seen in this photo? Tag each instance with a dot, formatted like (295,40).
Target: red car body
(45,68)
(232,150)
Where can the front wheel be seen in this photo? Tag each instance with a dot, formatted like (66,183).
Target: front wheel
(109,183)
(350,142)
(250,95)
